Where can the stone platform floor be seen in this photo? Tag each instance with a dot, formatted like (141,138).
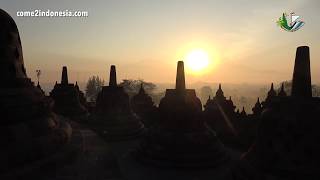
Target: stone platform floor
(93,158)
(96,161)
(87,157)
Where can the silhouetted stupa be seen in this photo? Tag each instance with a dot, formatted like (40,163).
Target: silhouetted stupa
(67,99)
(219,113)
(271,95)
(144,107)
(82,97)
(301,81)
(30,131)
(113,114)
(243,112)
(282,93)
(288,136)
(257,109)
(182,146)
(182,139)
(39,87)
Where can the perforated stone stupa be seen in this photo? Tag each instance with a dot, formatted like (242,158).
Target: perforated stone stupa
(182,146)
(144,107)
(30,131)
(67,98)
(288,136)
(113,114)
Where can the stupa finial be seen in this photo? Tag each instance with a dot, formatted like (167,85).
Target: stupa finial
(113,76)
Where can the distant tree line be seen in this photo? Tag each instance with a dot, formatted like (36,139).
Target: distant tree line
(93,87)
(131,86)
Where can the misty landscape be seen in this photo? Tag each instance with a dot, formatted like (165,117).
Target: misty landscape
(243,95)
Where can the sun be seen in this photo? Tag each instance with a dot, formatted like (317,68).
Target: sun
(197,60)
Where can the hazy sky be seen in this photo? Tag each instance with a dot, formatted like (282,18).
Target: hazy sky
(146,38)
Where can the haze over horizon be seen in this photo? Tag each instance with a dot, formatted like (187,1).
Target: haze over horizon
(145,39)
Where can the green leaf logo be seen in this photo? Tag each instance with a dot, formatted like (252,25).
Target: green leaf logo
(290,22)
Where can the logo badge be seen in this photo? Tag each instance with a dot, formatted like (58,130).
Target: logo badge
(290,22)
